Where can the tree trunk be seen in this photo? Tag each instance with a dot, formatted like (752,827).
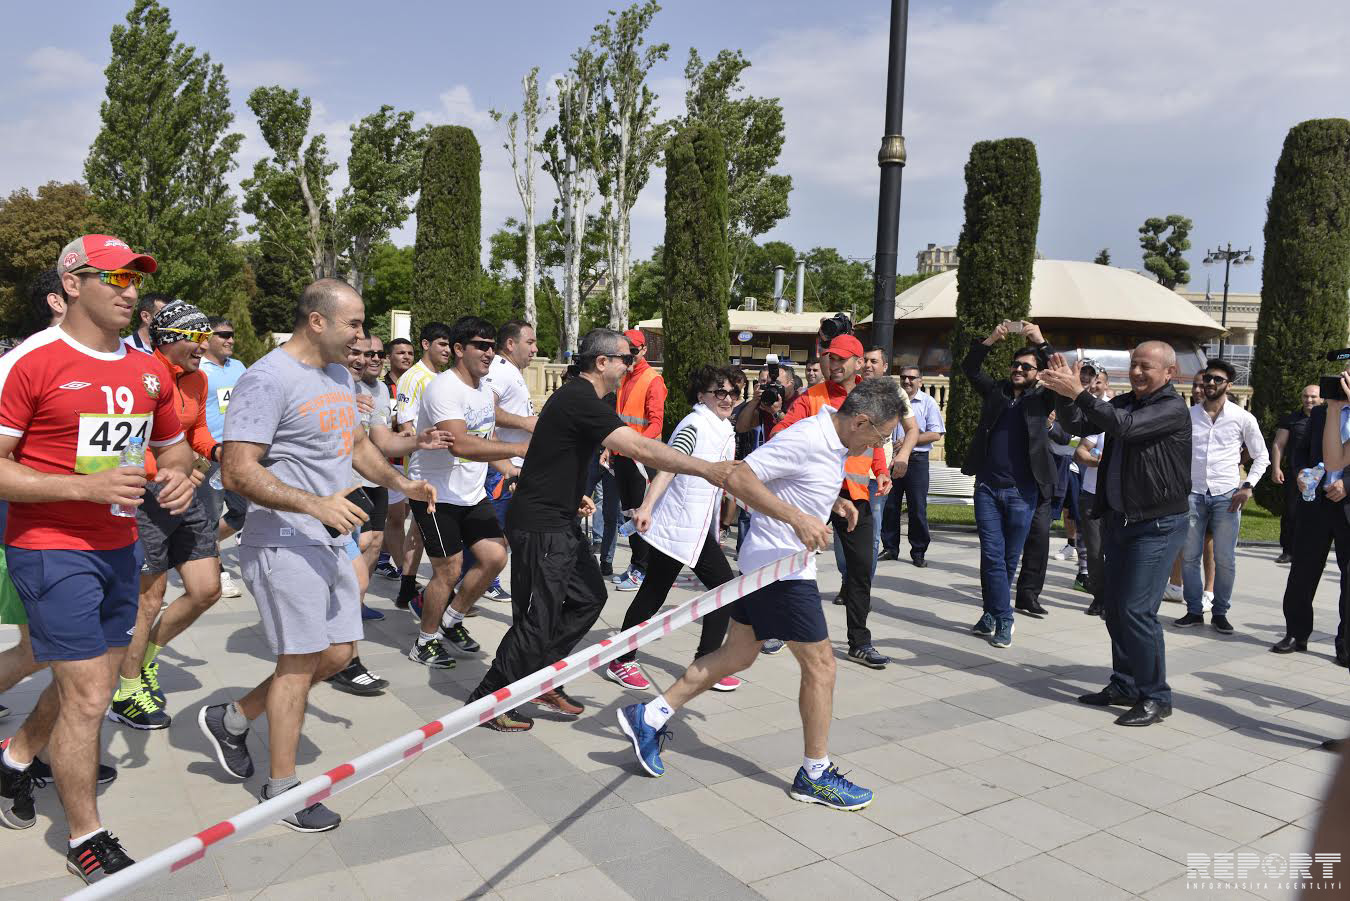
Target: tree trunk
(618,214)
(316,248)
(531,313)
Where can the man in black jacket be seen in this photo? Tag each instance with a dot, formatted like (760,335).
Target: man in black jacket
(1142,487)
(1009,457)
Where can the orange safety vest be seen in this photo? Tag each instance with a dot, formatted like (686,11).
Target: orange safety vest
(632,400)
(857,469)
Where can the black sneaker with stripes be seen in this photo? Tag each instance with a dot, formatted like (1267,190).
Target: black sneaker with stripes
(97,857)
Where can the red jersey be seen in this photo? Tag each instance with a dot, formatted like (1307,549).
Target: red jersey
(73,410)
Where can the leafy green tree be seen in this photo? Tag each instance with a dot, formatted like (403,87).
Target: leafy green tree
(648,286)
(756,273)
(1165,242)
(834,283)
(696,261)
(278,280)
(1305,273)
(1103,257)
(447,256)
(993,283)
(33,229)
(752,131)
(388,279)
(383,172)
(248,345)
(157,168)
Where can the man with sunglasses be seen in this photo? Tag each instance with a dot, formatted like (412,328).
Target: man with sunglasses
(1219,431)
(1010,458)
(71,399)
(222,373)
(911,487)
(642,407)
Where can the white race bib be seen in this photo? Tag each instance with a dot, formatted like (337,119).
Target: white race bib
(223,398)
(103,436)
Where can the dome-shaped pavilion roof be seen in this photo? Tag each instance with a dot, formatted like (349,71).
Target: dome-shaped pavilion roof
(1067,292)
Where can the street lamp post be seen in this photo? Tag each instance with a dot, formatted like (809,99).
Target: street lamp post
(1229,256)
(891,159)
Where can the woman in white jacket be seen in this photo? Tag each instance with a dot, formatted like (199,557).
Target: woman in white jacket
(678,518)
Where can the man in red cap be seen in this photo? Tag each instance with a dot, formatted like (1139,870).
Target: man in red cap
(72,399)
(841,362)
(642,407)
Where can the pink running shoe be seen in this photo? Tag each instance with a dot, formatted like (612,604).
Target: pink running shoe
(628,675)
(730,683)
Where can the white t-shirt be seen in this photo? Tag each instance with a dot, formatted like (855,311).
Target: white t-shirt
(513,395)
(803,465)
(410,387)
(458,481)
(1090,472)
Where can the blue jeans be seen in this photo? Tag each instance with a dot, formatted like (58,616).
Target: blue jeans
(1209,513)
(878,504)
(1139,555)
(608,510)
(1003,519)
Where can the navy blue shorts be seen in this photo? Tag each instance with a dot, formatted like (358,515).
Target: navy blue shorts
(79,603)
(788,610)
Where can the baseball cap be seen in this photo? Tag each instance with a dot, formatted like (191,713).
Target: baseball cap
(635,337)
(845,346)
(1091,365)
(102,252)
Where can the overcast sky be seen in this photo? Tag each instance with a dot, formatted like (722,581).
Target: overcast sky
(1137,109)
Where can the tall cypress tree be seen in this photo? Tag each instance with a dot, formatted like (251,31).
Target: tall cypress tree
(447,254)
(158,167)
(696,261)
(1305,273)
(993,282)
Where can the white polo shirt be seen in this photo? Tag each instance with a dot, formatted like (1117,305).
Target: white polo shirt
(513,395)
(802,465)
(1216,449)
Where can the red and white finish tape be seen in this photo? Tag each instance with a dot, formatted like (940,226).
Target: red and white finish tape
(340,778)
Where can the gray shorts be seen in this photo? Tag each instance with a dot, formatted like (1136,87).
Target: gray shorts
(307,595)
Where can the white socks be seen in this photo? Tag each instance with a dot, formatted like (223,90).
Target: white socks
(424,637)
(815,768)
(451,618)
(657,712)
(14,764)
(76,842)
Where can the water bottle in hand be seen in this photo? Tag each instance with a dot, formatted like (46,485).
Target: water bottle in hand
(628,528)
(133,457)
(1309,479)
(215,480)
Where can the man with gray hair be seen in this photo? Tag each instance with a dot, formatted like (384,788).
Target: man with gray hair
(1144,480)
(791,484)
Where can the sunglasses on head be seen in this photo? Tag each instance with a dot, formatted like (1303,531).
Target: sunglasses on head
(196,337)
(225,336)
(118,278)
(1024,367)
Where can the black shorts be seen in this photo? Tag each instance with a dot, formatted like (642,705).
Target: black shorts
(631,481)
(169,541)
(379,511)
(451,528)
(788,610)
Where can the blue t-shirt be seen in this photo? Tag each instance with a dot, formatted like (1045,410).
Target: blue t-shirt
(220,381)
(1007,463)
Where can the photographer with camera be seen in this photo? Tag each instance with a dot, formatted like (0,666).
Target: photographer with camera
(755,418)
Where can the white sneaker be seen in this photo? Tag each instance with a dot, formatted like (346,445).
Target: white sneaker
(1207,600)
(228,587)
(1173,592)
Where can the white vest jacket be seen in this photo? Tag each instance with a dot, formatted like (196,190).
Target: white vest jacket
(685,514)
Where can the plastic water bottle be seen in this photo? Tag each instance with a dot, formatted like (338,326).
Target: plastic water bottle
(628,528)
(133,457)
(1309,479)
(215,481)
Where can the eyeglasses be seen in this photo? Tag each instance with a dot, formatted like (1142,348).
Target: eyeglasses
(118,278)
(627,358)
(225,336)
(1024,367)
(1209,379)
(373,354)
(910,378)
(196,337)
(881,439)
(721,393)
(482,344)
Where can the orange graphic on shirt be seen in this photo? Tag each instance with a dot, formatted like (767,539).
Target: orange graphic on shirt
(337,412)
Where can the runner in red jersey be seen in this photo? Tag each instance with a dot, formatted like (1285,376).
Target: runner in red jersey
(71,398)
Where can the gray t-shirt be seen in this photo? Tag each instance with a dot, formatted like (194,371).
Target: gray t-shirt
(379,416)
(307,419)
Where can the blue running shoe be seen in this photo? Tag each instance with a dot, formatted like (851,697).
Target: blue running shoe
(771,646)
(371,613)
(647,742)
(985,626)
(831,789)
(415,606)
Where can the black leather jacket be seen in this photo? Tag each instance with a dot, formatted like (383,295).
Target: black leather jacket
(1035,404)
(1154,434)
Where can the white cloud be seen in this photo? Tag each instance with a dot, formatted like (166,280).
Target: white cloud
(288,73)
(60,67)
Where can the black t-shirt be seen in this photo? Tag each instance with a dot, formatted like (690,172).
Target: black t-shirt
(1296,450)
(553,478)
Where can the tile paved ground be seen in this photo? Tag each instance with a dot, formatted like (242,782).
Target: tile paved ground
(991,783)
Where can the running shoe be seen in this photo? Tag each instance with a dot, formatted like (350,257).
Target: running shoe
(1206,601)
(41,772)
(16,796)
(370,612)
(629,675)
(560,701)
(231,750)
(631,582)
(140,711)
(386,568)
(511,721)
(831,789)
(497,593)
(460,638)
(4,711)
(868,656)
(228,587)
(647,742)
(1080,583)
(727,683)
(985,626)
(357,680)
(771,646)
(415,606)
(1003,633)
(1068,552)
(150,681)
(314,818)
(97,858)
(1173,593)
(619,577)
(432,654)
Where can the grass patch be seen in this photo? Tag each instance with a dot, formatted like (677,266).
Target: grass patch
(1258,523)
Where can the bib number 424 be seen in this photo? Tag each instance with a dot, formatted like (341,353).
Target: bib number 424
(103,437)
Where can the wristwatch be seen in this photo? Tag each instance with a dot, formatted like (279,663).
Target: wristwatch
(1245,486)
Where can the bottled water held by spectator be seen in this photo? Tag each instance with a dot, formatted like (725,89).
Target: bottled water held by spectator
(1309,479)
(215,481)
(133,457)
(628,528)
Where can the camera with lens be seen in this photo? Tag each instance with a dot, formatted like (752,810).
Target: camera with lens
(770,394)
(836,325)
